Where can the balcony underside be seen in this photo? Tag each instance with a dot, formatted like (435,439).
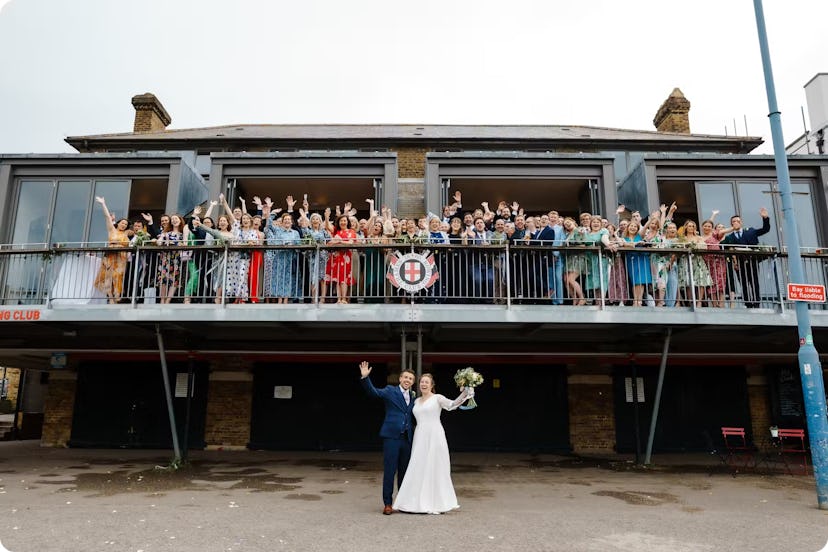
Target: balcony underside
(353,331)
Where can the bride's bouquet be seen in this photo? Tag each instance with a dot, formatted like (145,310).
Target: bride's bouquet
(467,377)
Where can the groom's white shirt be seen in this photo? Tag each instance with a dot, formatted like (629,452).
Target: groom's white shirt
(406,396)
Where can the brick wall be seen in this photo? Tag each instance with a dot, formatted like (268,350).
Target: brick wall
(229,410)
(591,413)
(13,375)
(411,162)
(58,408)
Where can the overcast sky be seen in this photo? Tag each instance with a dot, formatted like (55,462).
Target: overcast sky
(71,67)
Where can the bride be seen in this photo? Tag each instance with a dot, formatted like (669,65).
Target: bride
(427,487)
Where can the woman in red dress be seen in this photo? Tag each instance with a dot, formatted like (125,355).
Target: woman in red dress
(339,269)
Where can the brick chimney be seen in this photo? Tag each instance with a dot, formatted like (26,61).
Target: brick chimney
(150,115)
(674,114)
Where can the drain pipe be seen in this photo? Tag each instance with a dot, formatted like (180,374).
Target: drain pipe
(167,392)
(657,402)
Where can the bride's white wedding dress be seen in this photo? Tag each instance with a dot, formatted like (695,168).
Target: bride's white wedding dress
(427,487)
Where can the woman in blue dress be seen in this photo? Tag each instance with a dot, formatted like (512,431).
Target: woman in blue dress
(283,261)
(639,269)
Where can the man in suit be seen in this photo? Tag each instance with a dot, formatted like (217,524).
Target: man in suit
(551,276)
(747,265)
(396,430)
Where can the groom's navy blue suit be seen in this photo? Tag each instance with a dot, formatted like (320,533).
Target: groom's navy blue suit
(396,433)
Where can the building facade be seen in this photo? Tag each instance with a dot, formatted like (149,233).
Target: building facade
(279,376)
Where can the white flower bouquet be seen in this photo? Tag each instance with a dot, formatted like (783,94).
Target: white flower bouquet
(467,377)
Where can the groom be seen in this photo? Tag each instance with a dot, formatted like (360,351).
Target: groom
(396,430)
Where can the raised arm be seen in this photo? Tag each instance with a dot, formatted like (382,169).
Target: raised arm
(765,222)
(110,224)
(243,205)
(210,208)
(448,404)
(227,209)
(365,381)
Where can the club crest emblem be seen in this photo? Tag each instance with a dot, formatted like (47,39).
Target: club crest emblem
(412,272)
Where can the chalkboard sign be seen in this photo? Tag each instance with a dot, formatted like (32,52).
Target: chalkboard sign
(790,393)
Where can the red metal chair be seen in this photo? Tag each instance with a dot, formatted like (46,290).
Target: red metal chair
(739,454)
(792,446)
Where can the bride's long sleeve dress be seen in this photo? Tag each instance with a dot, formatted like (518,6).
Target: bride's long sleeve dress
(427,486)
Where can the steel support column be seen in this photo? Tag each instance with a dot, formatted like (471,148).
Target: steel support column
(168,394)
(657,400)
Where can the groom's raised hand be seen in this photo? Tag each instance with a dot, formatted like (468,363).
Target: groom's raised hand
(364,369)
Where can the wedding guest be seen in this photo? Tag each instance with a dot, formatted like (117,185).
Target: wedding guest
(637,265)
(221,235)
(317,258)
(169,262)
(747,265)
(110,277)
(701,279)
(575,263)
(283,278)
(339,269)
(713,234)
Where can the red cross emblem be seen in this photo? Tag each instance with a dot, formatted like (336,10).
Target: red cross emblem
(412,271)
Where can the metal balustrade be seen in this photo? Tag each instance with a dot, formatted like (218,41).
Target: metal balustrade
(459,274)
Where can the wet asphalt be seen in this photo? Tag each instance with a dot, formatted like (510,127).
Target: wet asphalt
(125,500)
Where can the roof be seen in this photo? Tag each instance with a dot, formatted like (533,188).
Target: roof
(495,134)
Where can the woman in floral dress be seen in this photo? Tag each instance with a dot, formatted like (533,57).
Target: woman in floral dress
(238,269)
(700,274)
(339,270)
(317,259)
(110,278)
(169,262)
(716,264)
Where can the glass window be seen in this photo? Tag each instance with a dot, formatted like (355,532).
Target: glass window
(752,197)
(71,209)
(717,196)
(116,194)
(805,220)
(33,206)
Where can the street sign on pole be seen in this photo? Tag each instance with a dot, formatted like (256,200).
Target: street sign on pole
(811,293)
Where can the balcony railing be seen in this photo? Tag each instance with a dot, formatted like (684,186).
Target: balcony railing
(323,274)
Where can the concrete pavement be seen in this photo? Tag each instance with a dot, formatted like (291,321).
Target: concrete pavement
(92,500)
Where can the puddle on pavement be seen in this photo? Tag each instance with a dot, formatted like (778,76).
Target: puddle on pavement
(691,509)
(194,477)
(331,492)
(639,498)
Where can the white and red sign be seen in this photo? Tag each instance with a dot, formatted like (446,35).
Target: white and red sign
(811,293)
(413,272)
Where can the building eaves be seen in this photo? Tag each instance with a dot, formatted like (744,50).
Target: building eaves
(363,134)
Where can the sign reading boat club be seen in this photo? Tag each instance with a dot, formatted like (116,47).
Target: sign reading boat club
(412,272)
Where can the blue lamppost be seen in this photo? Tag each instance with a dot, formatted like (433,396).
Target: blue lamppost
(810,370)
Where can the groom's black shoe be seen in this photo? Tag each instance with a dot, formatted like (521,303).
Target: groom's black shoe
(387,510)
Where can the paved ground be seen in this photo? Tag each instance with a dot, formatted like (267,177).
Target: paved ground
(93,500)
